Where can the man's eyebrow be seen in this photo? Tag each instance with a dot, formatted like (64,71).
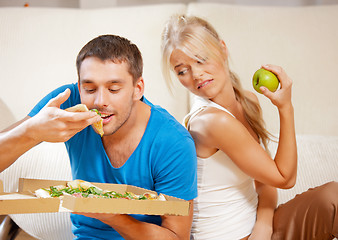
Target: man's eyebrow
(113,81)
(85,81)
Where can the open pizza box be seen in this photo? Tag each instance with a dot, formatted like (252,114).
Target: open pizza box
(25,201)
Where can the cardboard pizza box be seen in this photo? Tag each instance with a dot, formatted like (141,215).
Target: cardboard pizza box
(26,202)
(27,187)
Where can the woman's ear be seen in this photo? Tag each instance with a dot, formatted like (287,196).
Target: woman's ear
(224,49)
(139,89)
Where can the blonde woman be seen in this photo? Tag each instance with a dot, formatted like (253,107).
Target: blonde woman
(236,175)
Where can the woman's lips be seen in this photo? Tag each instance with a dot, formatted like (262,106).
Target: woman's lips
(203,84)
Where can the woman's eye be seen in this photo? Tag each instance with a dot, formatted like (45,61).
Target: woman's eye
(202,60)
(182,72)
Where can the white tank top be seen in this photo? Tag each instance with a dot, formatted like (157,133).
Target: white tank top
(225,208)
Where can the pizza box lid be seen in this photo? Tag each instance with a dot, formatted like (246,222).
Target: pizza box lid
(26,202)
(172,205)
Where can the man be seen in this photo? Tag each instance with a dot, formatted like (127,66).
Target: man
(142,144)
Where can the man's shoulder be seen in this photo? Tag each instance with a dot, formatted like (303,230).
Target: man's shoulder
(72,100)
(167,131)
(164,127)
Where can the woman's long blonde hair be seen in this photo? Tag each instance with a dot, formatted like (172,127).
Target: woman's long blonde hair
(193,36)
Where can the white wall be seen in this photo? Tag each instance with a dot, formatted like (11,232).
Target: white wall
(114,3)
(275,2)
(40,3)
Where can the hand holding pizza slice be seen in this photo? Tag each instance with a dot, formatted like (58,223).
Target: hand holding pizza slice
(98,126)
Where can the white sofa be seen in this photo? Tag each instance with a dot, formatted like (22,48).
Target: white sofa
(38,47)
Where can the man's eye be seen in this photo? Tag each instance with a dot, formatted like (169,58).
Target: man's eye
(114,90)
(88,90)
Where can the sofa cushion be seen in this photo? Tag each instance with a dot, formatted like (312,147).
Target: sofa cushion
(45,161)
(317,163)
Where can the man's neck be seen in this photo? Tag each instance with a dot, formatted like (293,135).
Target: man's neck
(120,145)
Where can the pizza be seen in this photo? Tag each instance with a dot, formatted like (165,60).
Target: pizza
(84,189)
(98,126)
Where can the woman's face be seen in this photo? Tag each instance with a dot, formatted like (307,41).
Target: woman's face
(205,78)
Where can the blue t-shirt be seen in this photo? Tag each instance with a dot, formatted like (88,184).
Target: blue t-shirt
(164,161)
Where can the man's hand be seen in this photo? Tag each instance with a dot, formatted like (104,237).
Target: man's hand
(172,228)
(53,124)
(106,218)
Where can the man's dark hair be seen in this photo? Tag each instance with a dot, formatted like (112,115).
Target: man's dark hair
(114,48)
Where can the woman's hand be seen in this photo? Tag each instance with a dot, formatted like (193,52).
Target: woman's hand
(282,97)
(261,232)
(267,202)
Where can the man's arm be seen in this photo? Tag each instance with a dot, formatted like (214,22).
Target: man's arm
(173,227)
(51,124)
(14,143)
(267,201)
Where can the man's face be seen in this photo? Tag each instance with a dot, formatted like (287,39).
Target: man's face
(109,88)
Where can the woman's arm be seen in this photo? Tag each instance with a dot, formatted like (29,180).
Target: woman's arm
(267,201)
(286,156)
(216,129)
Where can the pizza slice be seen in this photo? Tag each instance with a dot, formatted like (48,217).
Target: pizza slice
(98,126)
(84,189)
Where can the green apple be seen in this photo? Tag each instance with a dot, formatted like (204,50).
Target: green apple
(265,78)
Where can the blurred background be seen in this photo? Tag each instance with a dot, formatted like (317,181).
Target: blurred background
(115,3)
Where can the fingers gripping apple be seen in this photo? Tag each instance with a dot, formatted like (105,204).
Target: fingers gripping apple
(265,78)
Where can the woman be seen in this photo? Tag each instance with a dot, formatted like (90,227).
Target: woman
(227,126)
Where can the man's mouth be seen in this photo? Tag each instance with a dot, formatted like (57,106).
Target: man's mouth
(106,117)
(204,84)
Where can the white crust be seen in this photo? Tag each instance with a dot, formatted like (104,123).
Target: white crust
(42,193)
